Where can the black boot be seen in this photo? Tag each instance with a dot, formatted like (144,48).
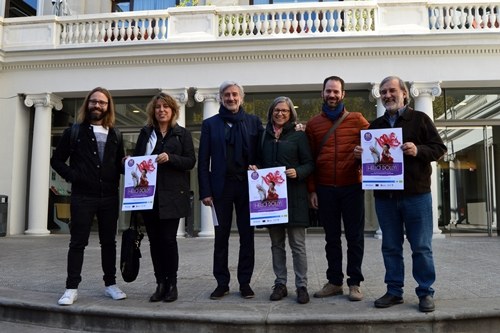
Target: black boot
(171,294)
(159,294)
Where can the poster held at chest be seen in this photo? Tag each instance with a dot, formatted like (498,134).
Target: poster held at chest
(382,159)
(268,196)
(139,182)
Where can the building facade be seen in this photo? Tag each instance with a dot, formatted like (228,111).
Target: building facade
(447,51)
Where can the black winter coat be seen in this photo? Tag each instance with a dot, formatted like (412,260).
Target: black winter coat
(172,182)
(87,174)
(291,150)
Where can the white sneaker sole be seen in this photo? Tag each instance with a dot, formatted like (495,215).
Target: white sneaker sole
(115,297)
(66,301)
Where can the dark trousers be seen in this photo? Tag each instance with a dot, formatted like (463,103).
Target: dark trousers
(162,234)
(337,204)
(235,193)
(83,211)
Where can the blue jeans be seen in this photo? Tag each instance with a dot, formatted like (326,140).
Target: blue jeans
(412,214)
(337,205)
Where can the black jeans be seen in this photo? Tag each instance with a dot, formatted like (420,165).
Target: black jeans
(83,211)
(347,204)
(162,236)
(235,193)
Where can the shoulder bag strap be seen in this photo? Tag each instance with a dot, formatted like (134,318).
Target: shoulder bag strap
(332,129)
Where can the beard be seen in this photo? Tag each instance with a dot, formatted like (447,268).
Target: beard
(96,115)
(332,103)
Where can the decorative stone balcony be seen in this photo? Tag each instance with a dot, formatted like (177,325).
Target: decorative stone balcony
(280,21)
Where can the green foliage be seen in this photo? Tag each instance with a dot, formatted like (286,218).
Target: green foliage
(443,103)
(188,3)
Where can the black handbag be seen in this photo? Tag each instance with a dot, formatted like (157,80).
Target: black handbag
(131,252)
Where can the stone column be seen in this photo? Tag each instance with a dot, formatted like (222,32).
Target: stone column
(424,94)
(375,95)
(40,161)
(181,96)
(210,99)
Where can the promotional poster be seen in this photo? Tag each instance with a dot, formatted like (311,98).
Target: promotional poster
(268,196)
(139,182)
(382,159)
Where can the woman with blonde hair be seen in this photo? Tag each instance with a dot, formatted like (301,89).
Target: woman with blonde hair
(173,145)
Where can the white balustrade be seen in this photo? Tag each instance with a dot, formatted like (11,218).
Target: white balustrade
(296,19)
(462,15)
(132,27)
(290,20)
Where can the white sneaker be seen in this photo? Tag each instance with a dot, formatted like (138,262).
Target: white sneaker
(69,297)
(114,292)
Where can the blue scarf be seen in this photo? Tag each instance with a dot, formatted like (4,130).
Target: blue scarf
(335,113)
(238,136)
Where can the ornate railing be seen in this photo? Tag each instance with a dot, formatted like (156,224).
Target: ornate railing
(294,20)
(464,15)
(297,19)
(121,28)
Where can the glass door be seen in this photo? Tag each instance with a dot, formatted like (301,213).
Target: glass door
(467,182)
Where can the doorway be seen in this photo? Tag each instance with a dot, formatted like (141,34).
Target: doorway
(467,183)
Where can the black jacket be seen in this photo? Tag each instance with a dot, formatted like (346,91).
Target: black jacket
(172,182)
(291,150)
(417,128)
(86,173)
(212,154)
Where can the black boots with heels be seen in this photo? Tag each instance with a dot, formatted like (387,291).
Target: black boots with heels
(159,294)
(165,291)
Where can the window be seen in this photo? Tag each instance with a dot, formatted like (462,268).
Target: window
(136,5)
(20,8)
(267,2)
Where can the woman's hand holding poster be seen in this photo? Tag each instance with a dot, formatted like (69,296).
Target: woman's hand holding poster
(139,183)
(268,196)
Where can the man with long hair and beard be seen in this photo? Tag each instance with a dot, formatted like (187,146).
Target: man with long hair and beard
(95,152)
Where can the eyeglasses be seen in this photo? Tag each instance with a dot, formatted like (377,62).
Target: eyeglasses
(283,111)
(94,102)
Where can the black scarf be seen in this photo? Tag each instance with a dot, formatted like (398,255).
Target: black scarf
(238,136)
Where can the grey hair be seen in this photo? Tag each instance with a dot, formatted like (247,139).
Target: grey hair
(289,103)
(227,84)
(402,86)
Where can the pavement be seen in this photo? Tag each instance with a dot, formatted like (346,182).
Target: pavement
(33,273)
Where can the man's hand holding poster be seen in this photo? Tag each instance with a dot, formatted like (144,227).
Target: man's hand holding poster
(140,182)
(382,159)
(268,196)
